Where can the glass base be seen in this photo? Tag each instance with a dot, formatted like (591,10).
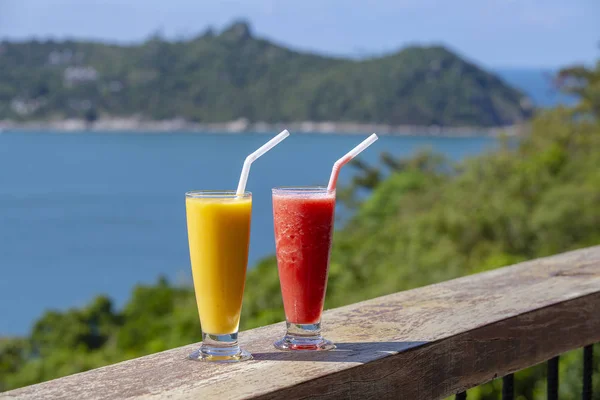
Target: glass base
(303,337)
(220,349)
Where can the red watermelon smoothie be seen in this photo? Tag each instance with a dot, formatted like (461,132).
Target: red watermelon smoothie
(303,218)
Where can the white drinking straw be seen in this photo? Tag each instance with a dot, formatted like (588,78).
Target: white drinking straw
(349,156)
(254,156)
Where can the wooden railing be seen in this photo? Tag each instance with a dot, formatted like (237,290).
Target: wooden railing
(426,343)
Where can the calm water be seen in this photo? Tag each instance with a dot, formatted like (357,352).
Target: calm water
(84,214)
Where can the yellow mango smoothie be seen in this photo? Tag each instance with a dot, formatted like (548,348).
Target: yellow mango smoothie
(219,238)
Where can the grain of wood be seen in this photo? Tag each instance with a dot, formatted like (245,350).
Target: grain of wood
(425,343)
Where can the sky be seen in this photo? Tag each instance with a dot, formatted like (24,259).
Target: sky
(494,33)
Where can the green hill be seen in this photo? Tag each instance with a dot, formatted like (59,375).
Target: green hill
(218,78)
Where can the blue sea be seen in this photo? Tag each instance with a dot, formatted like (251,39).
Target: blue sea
(83,214)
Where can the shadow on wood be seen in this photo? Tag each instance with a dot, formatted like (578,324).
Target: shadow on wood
(357,352)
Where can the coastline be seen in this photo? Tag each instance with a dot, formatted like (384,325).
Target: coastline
(240,126)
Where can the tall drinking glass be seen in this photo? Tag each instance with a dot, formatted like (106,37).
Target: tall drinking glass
(303,218)
(218,225)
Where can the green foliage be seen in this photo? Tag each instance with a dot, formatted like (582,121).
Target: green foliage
(156,318)
(425,221)
(152,314)
(12,358)
(216,78)
(585,83)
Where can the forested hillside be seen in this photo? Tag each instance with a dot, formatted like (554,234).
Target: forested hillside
(232,75)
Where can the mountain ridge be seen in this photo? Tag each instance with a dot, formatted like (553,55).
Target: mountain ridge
(232,75)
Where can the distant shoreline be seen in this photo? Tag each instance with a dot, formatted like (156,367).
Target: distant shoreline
(242,126)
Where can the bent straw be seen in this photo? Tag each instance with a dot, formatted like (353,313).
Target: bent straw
(349,156)
(254,156)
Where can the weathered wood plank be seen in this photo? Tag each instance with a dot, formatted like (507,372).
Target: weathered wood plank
(425,343)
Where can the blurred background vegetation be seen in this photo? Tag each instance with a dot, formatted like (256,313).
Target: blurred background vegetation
(426,220)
